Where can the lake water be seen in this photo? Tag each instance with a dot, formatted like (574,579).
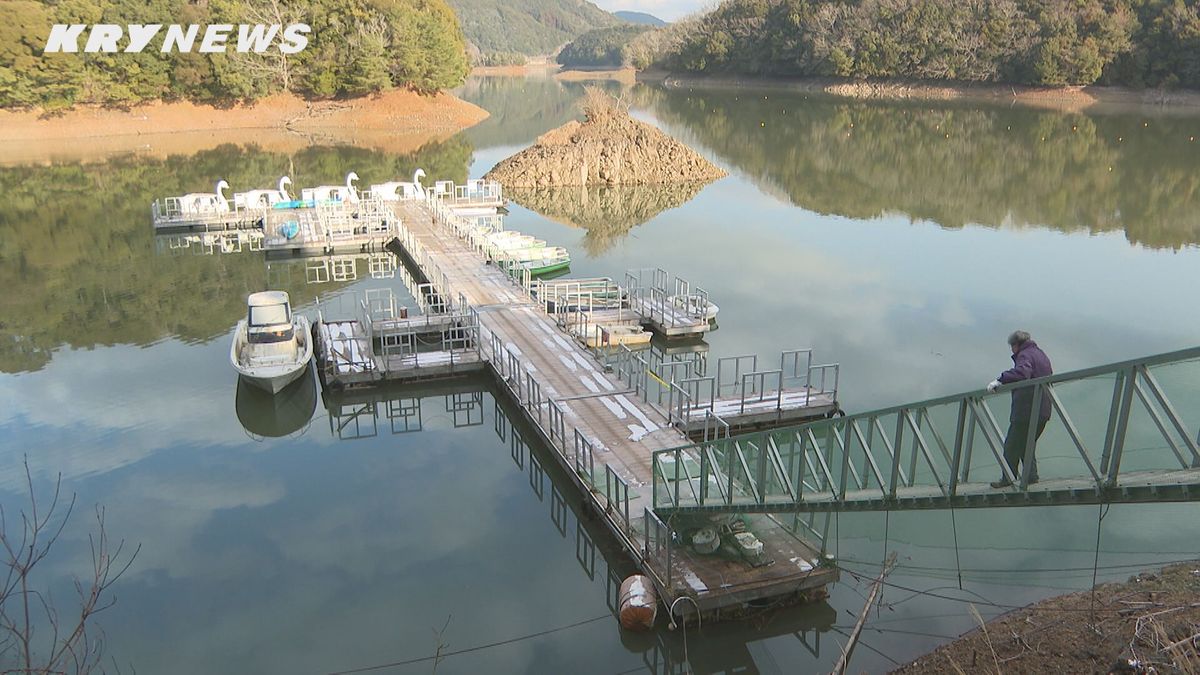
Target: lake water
(902,240)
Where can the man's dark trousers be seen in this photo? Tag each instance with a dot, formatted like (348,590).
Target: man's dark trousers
(1014,446)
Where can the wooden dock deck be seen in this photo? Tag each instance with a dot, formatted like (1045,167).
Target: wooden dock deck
(602,432)
(786,406)
(353,353)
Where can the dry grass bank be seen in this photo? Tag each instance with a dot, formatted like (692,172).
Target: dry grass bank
(1148,624)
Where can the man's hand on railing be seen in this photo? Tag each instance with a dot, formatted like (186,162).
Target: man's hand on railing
(993,386)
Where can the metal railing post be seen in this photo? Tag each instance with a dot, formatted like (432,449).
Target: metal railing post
(1122,427)
(959,432)
(897,452)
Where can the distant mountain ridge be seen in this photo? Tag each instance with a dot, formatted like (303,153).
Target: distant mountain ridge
(529,27)
(640,18)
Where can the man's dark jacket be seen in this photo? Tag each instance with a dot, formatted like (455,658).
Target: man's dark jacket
(1029,362)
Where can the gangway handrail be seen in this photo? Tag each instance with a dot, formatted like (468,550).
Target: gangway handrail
(909,460)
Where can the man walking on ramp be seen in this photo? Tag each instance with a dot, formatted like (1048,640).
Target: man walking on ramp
(1029,362)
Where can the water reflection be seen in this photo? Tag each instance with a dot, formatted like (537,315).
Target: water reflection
(519,109)
(954,164)
(266,415)
(76,241)
(608,213)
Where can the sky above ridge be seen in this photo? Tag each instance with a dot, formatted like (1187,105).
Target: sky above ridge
(667,10)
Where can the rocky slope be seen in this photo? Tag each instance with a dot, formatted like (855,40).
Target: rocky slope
(608,148)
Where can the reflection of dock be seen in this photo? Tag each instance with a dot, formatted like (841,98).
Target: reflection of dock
(209,243)
(361,413)
(603,430)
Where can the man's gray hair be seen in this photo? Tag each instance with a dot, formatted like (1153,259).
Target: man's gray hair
(1018,337)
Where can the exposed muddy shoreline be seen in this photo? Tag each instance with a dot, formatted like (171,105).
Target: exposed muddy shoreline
(1146,622)
(398,121)
(1058,98)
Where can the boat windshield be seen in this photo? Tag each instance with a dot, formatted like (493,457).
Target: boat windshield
(261,337)
(269,315)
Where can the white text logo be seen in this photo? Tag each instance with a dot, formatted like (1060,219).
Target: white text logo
(111,38)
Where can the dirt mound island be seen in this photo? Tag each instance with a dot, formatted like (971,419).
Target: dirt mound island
(608,148)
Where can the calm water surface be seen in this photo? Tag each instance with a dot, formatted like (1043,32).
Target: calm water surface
(903,241)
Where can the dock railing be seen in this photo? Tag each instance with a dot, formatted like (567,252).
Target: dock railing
(669,302)
(579,452)
(172,212)
(476,192)
(1116,433)
(657,545)
(338,353)
(740,386)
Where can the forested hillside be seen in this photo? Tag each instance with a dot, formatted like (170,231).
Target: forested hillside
(602,46)
(529,27)
(1037,42)
(355,47)
(640,18)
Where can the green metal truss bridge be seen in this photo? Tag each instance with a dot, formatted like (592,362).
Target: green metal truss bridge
(1120,433)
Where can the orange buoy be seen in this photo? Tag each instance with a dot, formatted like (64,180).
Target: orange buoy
(638,604)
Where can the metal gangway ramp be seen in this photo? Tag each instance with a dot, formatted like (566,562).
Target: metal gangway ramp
(1118,433)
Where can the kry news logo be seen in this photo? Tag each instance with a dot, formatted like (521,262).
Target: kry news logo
(108,38)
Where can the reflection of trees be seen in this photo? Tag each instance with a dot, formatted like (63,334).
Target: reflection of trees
(953,164)
(77,252)
(608,213)
(520,108)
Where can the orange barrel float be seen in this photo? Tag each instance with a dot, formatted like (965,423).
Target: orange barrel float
(638,604)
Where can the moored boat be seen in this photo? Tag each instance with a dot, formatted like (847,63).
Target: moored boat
(538,261)
(617,334)
(271,346)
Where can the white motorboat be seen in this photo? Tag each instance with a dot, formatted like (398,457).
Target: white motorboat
(271,346)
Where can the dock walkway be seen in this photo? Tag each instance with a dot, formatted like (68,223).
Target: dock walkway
(602,432)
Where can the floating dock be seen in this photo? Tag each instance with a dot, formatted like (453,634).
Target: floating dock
(171,215)
(604,412)
(361,226)
(742,395)
(382,344)
(602,428)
